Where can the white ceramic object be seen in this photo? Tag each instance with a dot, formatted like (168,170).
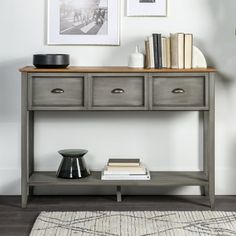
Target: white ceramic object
(199,60)
(136,60)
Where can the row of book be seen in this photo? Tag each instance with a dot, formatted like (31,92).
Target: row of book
(174,52)
(125,169)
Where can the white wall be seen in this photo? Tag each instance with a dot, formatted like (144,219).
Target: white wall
(163,140)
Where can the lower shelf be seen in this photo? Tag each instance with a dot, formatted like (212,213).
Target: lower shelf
(163,178)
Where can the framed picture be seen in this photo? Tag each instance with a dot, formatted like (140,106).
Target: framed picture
(146,7)
(86,22)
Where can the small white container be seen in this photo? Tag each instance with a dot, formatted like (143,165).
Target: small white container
(136,60)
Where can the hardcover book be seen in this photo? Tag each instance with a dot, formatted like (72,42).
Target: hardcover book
(188,51)
(166,57)
(146,176)
(124,170)
(123,162)
(177,50)
(168,53)
(151,50)
(148,58)
(157,51)
(164,52)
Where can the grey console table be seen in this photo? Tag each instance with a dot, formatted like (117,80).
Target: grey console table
(118,88)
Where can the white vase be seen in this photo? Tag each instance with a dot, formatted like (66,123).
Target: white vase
(136,60)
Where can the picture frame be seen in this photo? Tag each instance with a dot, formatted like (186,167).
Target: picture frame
(146,7)
(83,22)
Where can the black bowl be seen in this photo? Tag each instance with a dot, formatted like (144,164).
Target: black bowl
(51,60)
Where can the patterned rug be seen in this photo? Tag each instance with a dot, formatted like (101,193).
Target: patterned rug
(135,223)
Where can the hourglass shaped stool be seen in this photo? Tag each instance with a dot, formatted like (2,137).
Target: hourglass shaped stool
(73,165)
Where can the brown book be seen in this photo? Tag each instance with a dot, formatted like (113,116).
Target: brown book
(123,162)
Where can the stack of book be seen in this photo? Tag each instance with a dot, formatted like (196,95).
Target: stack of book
(174,52)
(125,169)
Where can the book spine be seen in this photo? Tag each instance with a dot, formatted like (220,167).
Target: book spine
(151,51)
(180,50)
(188,51)
(155,50)
(123,160)
(164,52)
(123,164)
(105,177)
(148,59)
(159,51)
(146,176)
(174,51)
(126,168)
(142,172)
(168,53)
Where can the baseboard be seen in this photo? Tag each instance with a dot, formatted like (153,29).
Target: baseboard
(10,181)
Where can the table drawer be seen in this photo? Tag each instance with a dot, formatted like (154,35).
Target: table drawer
(178,91)
(118,91)
(58,91)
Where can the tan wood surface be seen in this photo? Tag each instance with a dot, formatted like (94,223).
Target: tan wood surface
(117,69)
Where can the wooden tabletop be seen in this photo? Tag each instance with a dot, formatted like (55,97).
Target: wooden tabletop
(111,69)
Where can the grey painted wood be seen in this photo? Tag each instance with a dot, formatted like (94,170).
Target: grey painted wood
(210,139)
(56,90)
(118,194)
(31,143)
(169,178)
(58,108)
(31,147)
(171,91)
(118,91)
(207,89)
(179,108)
(150,91)
(24,142)
(146,91)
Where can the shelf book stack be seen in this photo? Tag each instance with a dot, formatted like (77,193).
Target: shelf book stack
(175,51)
(125,169)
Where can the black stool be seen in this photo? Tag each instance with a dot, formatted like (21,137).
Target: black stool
(73,165)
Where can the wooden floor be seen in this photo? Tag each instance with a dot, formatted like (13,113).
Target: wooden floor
(15,221)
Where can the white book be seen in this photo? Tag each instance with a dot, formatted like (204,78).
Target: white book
(177,51)
(168,53)
(164,52)
(188,51)
(126,177)
(152,62)
(110,170)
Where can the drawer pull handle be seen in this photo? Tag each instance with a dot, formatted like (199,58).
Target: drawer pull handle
(178,91)
(118,91)
(57,91)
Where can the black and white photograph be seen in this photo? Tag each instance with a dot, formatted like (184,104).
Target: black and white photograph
(146,7)
(85,22)
(83,17)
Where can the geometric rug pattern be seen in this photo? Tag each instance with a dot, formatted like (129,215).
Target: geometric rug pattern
(135,223)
